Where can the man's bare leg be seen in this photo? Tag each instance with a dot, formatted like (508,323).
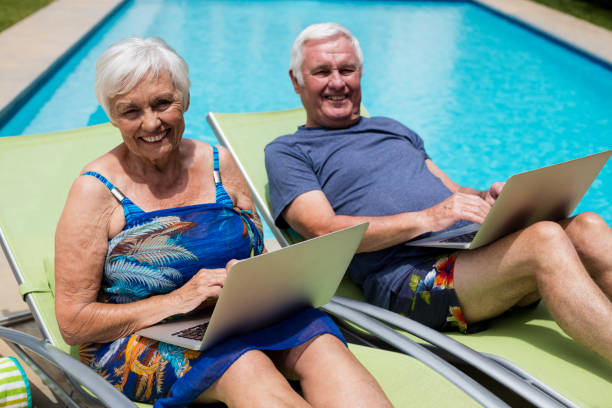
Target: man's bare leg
(540,259)
(592,238)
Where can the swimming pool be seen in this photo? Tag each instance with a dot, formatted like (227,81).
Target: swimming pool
(489,97)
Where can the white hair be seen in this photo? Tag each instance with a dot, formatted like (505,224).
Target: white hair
(124,64)
(317,32)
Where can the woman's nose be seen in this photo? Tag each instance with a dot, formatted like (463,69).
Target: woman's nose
(150,120)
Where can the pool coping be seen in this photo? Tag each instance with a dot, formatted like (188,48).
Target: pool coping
(35,47)
(588,39)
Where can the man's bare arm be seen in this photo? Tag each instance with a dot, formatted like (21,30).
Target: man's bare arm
(489,195)
(311,215)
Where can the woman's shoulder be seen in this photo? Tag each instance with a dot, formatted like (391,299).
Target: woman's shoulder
(106,165)
(196,149)
(104,169)
(202,152)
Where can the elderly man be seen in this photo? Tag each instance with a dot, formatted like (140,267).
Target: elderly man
(340,169)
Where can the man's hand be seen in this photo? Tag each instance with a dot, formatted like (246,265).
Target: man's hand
(491,195)
(459,206)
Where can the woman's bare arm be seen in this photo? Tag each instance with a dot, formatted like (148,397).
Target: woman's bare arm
(236,186)
(81,243)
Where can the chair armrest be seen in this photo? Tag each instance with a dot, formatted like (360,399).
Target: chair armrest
(77,371)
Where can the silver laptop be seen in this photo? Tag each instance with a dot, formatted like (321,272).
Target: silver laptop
(263,290)
(551,193)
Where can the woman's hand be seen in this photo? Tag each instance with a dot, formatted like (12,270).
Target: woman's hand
(202,289)
(205,284)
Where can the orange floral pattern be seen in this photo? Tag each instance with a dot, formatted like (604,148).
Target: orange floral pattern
(438,279)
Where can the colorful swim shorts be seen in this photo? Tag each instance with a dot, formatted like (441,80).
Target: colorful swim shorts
(427,295)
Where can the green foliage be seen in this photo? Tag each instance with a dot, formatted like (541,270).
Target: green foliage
(598,12)
(12,11)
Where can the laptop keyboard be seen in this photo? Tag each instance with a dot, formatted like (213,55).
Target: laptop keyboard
(194,333)
(469,237)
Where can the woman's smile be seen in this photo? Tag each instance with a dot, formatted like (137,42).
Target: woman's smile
(152,139)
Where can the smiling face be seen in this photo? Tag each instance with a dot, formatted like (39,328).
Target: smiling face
(331,93)
(150,117)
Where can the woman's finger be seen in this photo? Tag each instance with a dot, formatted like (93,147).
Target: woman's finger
(229,264)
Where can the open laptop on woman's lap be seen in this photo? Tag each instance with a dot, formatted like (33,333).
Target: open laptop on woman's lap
(263,290)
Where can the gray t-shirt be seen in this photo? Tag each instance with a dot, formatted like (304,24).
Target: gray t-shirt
(374,168)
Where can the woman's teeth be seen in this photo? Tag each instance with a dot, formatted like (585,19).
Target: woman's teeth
(154,138)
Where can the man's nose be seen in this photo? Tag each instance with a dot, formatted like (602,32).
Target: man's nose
(150,120)
(336,80)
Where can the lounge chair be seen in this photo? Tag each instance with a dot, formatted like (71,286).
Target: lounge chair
(36,172)
(524,350)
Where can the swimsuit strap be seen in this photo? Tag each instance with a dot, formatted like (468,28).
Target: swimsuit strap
(130,210)
(221,195)
(257,244)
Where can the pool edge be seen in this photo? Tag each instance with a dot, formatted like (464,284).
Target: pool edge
(28,65)
(587,39)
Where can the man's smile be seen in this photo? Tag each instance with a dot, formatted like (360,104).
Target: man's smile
(335,97)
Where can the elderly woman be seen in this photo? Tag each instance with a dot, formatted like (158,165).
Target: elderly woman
(149,230)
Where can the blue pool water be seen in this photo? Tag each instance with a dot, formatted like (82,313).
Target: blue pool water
(489,97)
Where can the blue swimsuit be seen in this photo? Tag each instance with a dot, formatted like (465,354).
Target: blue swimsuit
(159,251)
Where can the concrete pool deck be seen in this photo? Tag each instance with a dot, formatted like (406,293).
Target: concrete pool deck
(582,35)
(32,47)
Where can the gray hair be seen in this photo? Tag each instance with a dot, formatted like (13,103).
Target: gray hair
(124,64)
(317,32)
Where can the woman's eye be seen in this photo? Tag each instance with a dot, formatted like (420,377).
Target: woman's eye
(321,73)
(162,105)
(129,113)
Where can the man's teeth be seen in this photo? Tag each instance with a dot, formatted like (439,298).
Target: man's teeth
(155,138)
(336,98)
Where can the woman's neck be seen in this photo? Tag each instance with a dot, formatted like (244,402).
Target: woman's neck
(162,175)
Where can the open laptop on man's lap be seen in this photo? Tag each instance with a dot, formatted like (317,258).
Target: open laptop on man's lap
(263,290)
(550,193)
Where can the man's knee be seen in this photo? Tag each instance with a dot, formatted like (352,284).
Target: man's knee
(546,244)
(545,237)
(589,221)
(586,227)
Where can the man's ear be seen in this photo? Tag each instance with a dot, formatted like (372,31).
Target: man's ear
(297,87)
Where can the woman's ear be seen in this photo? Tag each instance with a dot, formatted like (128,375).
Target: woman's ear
(187,102)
